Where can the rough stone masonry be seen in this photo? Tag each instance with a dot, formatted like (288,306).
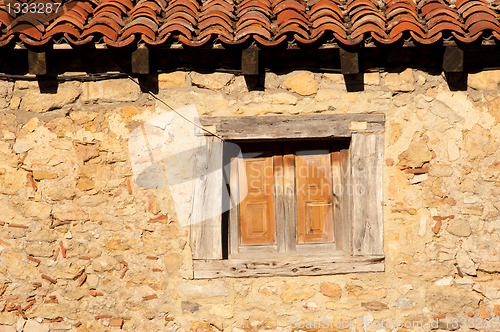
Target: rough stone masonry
(83,248)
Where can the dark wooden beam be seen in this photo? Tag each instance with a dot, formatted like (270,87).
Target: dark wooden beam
(37,63)
(140,60)
(250,61)
(453,59)
(349,62)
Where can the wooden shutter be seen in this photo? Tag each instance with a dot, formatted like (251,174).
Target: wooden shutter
(209,190)
(314,198)
(257,224)
(367,190)
(342,203)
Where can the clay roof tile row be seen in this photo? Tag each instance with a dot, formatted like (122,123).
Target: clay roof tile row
(195,22)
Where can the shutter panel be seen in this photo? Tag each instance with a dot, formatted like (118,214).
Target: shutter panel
(209,191)
(367,218)
(314,198)
(341,177)
(257,225)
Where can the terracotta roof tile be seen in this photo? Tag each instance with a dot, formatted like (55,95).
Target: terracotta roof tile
(196,22)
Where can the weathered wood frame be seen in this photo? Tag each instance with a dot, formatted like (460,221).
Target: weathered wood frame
(362,245)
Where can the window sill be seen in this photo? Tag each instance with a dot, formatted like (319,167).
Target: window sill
(298,266)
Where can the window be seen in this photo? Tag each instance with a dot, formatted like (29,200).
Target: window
(311,197)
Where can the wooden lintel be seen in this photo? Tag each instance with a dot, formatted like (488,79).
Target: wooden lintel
(293,127)
(453,59)
(349,62)
(37,63)
(140,60)
(309,266)
(250,61)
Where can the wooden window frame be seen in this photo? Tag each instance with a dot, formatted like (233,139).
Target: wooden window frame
(361,245)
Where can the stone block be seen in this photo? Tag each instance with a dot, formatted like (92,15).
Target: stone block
(304,83)
(214,82)
(34,101)
(404,81)
(172,80)
(459,227)
(330,289)
(119,90)
(297,292)
(213,289)
(416,155)
(484,80)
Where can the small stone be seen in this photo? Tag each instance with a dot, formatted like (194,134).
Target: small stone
(374,306)
(37,210)
(20,325)
(32,124)
(105,263)
(416,155)
(92,281)
(43,175)
(330,289)
(213,289)
(472,199)
(214,82)
(267,290)
(282,98)
(304,84)
(404,303)
(75,215)
(333,78)
(116,322)
(35,101)
(34,326)
(172,262)
(419,178)
(489,267)
(40,249)
(82,117)
(421,80)
(459,227)
(85,185)
(75,294)
(440,170)
(21,146)
(172,80)
(17,266)
(464,281)
(222,311)
(484,80)
(57,193)
(403,81)
(309,307)
(478,142)
(43,235)
(117,90)
(69,235)
(190,306)
(371,78)
(14,103)
(446,281)
(7,318)
(297,292)
(241,289)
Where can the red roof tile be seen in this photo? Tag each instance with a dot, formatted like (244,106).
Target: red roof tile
(196,22)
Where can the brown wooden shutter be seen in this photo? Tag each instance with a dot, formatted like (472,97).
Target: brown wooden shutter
(367,190)
(257,224)
(206,217)
(314,198)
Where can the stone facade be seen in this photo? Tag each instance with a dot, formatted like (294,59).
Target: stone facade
(83,248)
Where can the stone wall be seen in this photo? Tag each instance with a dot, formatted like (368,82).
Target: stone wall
(82,247)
